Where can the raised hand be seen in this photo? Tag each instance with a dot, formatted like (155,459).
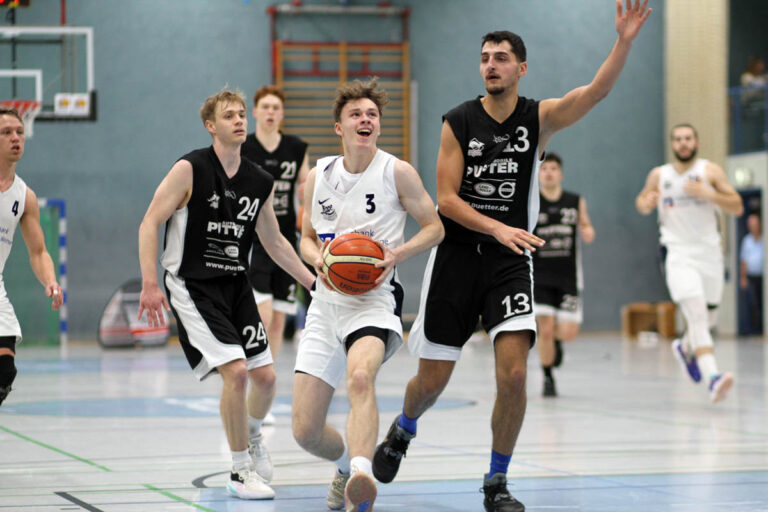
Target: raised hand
(629,22)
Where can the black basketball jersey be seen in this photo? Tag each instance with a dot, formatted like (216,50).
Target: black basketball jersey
(556,263)
(500,164)
(212,235)
(283,164)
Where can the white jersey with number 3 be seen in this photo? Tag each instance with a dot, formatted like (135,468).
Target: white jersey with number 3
(687,223)
(368,204)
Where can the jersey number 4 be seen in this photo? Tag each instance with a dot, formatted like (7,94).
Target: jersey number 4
(15,208)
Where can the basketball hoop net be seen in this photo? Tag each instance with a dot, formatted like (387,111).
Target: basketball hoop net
(27,109)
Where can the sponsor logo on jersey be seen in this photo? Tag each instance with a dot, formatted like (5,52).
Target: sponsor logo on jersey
(226,228)
(498,166)
(271,162)
(485,189)
(230,194)
(669,202)
(475,148)
(503,138)
(215,249)
(543,217)
(282,186)
(213,201)
(232,251)
(327,210)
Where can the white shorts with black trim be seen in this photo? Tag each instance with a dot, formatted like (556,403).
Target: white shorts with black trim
(321,351)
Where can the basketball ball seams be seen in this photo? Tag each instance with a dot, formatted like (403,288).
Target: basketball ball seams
(349,263)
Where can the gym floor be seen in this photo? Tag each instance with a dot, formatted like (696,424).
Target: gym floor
(132,430)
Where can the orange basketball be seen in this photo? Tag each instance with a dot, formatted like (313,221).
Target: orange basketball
(349,262)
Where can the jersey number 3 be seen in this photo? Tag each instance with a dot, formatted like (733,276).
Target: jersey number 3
(370,206)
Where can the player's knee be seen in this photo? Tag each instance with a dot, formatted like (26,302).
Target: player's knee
(7,370)
(359,382)
(235,376)
(511,379)
(263,378)
(306,435)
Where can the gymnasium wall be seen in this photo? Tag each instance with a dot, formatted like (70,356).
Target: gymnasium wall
(157,61)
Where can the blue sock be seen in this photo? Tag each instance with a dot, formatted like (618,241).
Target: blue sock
(407,424)
(499,463)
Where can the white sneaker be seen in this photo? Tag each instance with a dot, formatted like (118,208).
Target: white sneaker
(246,484)
(335,498)
(360,493)
(269,419)
(719,386)
(262,462)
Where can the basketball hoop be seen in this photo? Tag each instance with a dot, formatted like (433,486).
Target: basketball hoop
(27,109)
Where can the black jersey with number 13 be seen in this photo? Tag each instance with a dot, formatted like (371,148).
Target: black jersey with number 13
(500,163)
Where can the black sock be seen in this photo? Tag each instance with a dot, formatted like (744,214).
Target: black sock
(547,371)
(7,370)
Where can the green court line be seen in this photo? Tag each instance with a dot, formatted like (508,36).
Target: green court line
(177,498)
(53,448)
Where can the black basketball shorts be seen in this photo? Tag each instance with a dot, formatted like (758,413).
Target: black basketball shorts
(271,281)
(467,282)
(218,322)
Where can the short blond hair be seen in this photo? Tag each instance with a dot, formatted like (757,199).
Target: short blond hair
(208,110)
(356,90)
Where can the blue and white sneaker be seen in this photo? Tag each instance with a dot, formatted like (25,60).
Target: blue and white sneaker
(719,386)
(688,362)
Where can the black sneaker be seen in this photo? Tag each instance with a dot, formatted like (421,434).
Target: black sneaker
(497,497)
(4,390)
(558,354)
(549,387)
(386,460)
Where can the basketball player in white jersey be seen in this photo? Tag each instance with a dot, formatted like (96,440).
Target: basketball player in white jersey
(18,207)
(557,273)
(364,190)
(689,194)
(214,201)
(487,193)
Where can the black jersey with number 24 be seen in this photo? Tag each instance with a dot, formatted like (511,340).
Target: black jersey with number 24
(500,162)
(212,235)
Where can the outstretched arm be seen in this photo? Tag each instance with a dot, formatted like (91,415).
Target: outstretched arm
(558,113)
(278,247)
(648,198)
(450,169)
(39,258)
(721,192)
(172,193)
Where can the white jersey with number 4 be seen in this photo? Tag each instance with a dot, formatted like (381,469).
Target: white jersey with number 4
(687,223)
(12,203)
(365,203)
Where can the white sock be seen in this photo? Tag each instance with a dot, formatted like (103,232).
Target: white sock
(361,464)
(240,459)
(707,365)
(342,463)
(254,426)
